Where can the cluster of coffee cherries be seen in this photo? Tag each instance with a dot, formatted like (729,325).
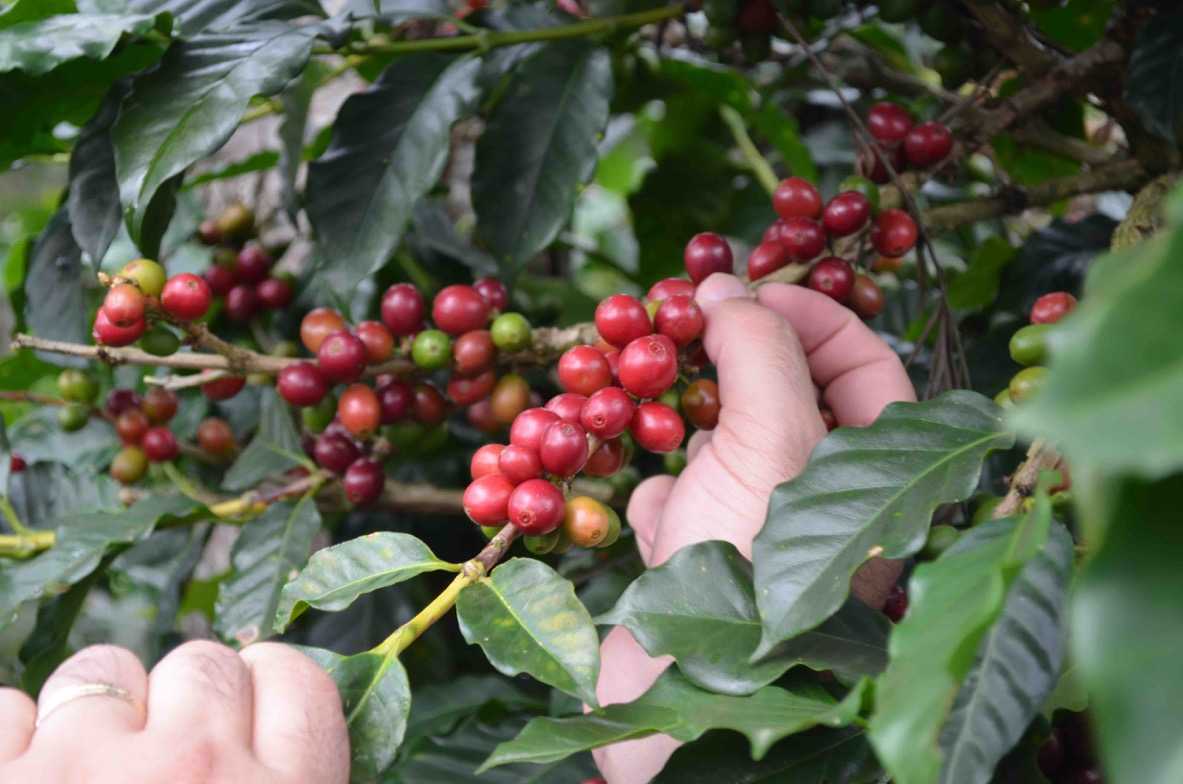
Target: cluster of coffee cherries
(1028,346)
(139,302)
(1068,755)
(900,139)
(241,270)
(612,397)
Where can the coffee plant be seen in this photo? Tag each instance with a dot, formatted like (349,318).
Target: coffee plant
(355,324)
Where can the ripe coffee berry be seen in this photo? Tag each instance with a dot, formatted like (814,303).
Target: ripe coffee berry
(587,522)
(160,445)
(473,352)
(396,398)
(897,604)
(510,332)
(185,297)
(342,358)
(458,309)
(242,303)
(148,276)
(223,388)
(668,287)
(120,400)
(649,366)
(530,426)
(657,427)
(680,319)
(484,460)
(274,293)
(621,319)
(607,413)
(535,507)
(16,463)
(124,304)
(131,425)
(253,263)
(1052,307)
(797,198)
(766,258)
(480,416)
(493,292)
(833,277)
(706,254)
(363,481)
(160,404)
(583,370)
(567,406)
(334,452)
(889,123)
(927,144)
(518,464)
(846,213)
(866,298)
(402,309)
(606,460)
(486,499)
(466,390)
(215,437)
(302,384)
(377,339)
(108,333)
(511,396)
(802,238)
(317,325)
(432,349)
(564,449)
(428,404)
(129,465)
(894,233)
(700,403)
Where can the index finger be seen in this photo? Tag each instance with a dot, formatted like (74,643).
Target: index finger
(858,372)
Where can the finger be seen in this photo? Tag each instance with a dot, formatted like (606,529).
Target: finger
(17,714)
(644,511)
(66,718)
(203,687)
(697,441)
(299,725)
(858,371)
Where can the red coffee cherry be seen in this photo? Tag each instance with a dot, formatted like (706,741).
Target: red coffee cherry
(160,404)
(519,464)
(797,198)
(833,277)
(564,449)
(889,123)
(530,426)
(120,400)
(700,403)
(124,304)
(131,426)
(396,399)
(649,366)
(669,287)
(511,396)
(657,427)
(567,406)
(359,411)
(927,144)
(802,238)
(766,258)
(318,325)
(377,339)
(772,233)
(334,452)
(458,309)
(253,263)
(897,604)
(621,319)
(220,279)
(466,391)
(429,405)
(402,309)
(160,445)
(493,292)
(606,460)
(242,303)
(486,499)
(484,460)
(480,416)
(16,463)
(583,370)
(274,293)
(535,507)
(108,333)
(473,352)
(363,481)
(186,297)
(607,413)
(894,233)
(223,388)
(215,437)
(1052,307)
(302,384)
(846,213)
(866,298)
(706,254)
(342,357)
(680,319)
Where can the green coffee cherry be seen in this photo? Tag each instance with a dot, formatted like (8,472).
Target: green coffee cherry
(160,342)
(225,257)
(146,274)
(404,434)
(672,398)
(511,332)
(1028,346)
(490,530)
(674,461)
(541,545)
(73,416)
(940,538)
(1002,399)
(563,544)
(432,349)
(613,530)
(955,65)
(864,186)
(77,386)
(285,348)
(1026,383)
(317,418)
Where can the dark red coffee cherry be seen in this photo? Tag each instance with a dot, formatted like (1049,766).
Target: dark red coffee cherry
(530,426)
(897,604)
(606,460)
(766,258)
(377,339)
(927,144)
(274,293)
(302,384)
(480,416)
(186,297)
(342,357)
(108,333)
(1050,757)
(473,352)
(124,304)
(894,233)
(430,407)
(583,370)
(493,292)
(607,413)
(16,463)
(160,404)
(649,366)
(700,403)
(160,445)
(889,123)
(458,309)
(833,277)
(363,481)
(253,263)
(1052,307)
(396,399)
(866,298)
(220,279)
(669,287)
(621,319)
(484,460)
(223,388)
(120,400)
(535,507)
(797,198)
(567,406)
(706,254)
(215,437)
(519,464)
(402,309)
(131,426)
(486,499)
(802,238)
(317,325)
(680,319)
(242,303)
(657,428)
(564,449)
(466,390)
(334,452)
(846,213)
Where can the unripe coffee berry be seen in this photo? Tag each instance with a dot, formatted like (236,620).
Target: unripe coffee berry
(396,398)
(124,304)
(402,309)
(473,352)
(846,213)
(302,384)
(518,464)
(342,358)
(377,339)
(160,342)
(160,404)
(868,189)
(148,276)
(657,427)
(766,258)
(706,254)
(536,507)
(129,465)
(432,349)
(493,292)
(1026,383)
(700,403)
(1050,308)
(77,386)
(894,233)
(458,309)
(186,297)
(889,122)
(160,445)
(511,396)
(583,370)
(486,499)
(242,303)
(586,521)
(236,221)
(607,413)
(223,388)
(363,481)
(567,406)
(511,332)
(833,277)
(927,144)
(621,319)
(530,426)
(316,418)
(668,287)
(680,319)
(108,333)
(73,416)
(797,198)
(803,239)
(564,449)
(649,366)
(317,325)
(1028,346)
(131,426)
(484,460)
(334,452)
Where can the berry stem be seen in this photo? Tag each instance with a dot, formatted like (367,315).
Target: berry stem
(1040,457)
(23,545)
(14,520)
(759,165)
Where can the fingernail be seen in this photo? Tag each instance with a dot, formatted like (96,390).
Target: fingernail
(720,287)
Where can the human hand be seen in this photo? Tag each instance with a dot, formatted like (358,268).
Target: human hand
(773,352)
(266,715)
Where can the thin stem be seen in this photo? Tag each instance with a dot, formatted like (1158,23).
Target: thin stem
(25,544)
(403,636)
(14,520)
(756,162)
(191,489)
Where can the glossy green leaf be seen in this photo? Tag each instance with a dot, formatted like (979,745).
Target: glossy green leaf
(977,287)
(1017,666)
(866,491)
(255,162)
(296,100)
(48,645)
(270,549)
(39,46)
(1127,626)
(336,576)
(377,700)
(675,706)
(1154,81)
(93,196)
(539,148)
(390,144)
(20,11)
(55,305)
(46,491)
(275,447)
(193,16)
(37,436)
(526,618)
(439,707)
(188,107)
(700,608)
